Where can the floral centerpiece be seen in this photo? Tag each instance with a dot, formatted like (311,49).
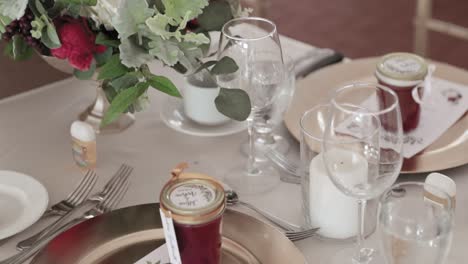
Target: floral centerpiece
(114,40)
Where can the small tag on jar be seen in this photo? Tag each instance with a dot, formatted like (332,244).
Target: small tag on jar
(171,239)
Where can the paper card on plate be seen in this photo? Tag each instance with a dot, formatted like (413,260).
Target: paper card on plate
(158,256)
(448,102)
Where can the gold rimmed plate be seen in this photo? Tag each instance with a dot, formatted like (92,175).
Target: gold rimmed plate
(126,235)
(448,151)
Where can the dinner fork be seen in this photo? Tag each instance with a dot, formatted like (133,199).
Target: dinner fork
(123,172)
(108,202)
(76,197)
(302,234)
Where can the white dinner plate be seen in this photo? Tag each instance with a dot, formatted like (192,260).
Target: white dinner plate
(172,114)
(23,200)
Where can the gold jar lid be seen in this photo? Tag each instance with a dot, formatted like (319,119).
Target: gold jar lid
(192,198)
(401,66)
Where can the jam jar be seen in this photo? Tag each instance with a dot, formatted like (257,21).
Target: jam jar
(196,203)
(404,73)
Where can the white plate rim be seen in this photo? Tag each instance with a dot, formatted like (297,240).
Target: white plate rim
(177,104)
(39,204)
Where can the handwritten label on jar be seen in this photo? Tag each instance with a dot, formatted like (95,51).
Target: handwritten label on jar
(171,239)
(192,196)
(402,65)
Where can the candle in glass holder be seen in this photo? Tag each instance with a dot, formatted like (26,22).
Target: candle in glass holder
(330,209)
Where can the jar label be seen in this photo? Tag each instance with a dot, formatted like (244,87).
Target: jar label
(192,196)
(171,238)
(403,66)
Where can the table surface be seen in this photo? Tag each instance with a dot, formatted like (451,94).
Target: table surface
(35,140)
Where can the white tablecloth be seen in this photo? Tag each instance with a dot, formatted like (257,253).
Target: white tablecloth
(34,139)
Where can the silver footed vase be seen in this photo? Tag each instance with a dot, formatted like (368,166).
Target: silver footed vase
(94,113)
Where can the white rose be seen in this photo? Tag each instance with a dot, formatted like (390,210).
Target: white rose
(103,12)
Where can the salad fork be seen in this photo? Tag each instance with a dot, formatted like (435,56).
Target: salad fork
(108,202)
(74,198)
(123,173)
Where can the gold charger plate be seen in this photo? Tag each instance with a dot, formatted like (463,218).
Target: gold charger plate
(126,235)
(446,152)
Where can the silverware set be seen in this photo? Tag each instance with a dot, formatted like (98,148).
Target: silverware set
(101,202)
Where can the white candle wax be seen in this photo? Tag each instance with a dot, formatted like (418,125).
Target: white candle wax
(330,209)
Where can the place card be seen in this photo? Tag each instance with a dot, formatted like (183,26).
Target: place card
(171,239)
(448,102)
(158,256)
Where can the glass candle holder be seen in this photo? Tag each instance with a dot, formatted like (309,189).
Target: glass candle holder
(325,206)
(196,203)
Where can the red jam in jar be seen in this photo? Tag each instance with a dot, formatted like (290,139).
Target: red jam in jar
(196,203)
(403,73)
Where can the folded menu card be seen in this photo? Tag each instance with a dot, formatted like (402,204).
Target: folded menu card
(158,256)
(448,102)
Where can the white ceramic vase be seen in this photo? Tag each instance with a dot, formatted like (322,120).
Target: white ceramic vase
(199,93)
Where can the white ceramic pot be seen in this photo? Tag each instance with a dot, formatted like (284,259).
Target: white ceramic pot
(198,96)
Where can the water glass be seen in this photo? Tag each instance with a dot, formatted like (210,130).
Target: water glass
(253,43)
(415,224)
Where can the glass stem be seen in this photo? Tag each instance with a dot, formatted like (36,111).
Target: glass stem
(363,255)
(251,164)
(361,215)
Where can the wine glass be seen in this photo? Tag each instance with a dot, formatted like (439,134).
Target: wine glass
(415,224)
(253,43)
(362,149)
(268,137)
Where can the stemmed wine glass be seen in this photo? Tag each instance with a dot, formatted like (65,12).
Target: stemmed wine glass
(362,149)
(254,45)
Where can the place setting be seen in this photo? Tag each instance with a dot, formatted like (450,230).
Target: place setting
(319,179)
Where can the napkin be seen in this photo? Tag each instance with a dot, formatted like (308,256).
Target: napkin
(158,256)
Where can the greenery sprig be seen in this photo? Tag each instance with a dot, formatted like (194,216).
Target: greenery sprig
(174,32)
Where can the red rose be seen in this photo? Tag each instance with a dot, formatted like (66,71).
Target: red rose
(78,42)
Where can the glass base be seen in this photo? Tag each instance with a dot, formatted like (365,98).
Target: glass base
(243,183)
(352,256)
(94,113)
(276,142)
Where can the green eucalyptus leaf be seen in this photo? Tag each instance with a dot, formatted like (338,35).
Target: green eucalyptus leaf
(102,58)
(225,65)
(112,69)
(85,75)
(205,65)
(128,80)
(164,85)
(215,15)
(123,101)
(103,39)
(233,103)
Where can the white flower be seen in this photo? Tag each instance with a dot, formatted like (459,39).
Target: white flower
(103,12)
